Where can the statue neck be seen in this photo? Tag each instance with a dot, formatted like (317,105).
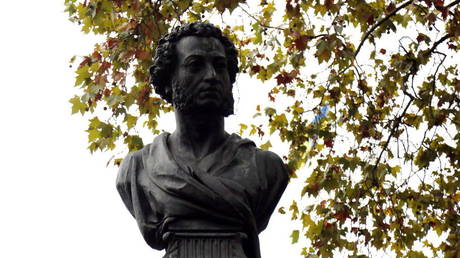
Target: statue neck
(197,135)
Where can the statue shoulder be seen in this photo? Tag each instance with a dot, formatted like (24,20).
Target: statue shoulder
(134,158)
(272,181)
(265,159)
(135,161)
(272,164)
(268,156)
(137,158)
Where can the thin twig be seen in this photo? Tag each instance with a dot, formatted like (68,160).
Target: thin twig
(433,83)
(261,24)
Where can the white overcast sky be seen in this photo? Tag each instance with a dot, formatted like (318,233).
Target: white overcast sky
(56,199)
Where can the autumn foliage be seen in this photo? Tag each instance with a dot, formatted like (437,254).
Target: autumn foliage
(380,162)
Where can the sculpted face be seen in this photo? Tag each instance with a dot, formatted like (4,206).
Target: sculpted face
(201,81)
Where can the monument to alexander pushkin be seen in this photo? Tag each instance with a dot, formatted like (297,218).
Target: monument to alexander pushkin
(200,192)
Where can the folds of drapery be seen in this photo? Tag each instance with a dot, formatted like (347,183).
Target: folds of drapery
(234,188)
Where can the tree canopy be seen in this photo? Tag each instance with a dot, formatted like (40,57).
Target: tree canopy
(365,94)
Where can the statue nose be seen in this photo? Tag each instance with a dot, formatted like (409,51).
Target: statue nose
(210,72)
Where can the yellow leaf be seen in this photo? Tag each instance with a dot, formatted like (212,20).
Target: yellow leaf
(306,220)
(457,197)
(438,230)
(266,145)
(243,128)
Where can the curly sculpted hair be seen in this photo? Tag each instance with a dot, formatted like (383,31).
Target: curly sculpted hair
(164,61)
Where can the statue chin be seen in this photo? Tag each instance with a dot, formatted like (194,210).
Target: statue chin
(208,106)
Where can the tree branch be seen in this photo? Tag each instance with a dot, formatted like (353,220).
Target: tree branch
(452,4)
(398,119)
(436,44)
(393,130)
(369,32)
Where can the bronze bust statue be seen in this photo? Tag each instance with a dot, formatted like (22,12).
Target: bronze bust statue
(200,192)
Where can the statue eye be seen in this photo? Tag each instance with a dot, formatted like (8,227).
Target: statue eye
(220,65)
(194,64)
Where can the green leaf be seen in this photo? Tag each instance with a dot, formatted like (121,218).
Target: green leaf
(270,111)
(134,142)
(395,170)
(295,236)
(77,105)
(281,210)
(222,5)
(424,157)
(294,209)
(130,121)
(82,74)
(93,135)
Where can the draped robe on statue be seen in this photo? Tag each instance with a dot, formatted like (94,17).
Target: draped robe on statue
(231,192)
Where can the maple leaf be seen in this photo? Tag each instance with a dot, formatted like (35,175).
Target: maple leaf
(329,143)
(97,55)
(421,37)
(104,67)
(341,216)
(301,42)
(438,3)
(255,69)
(285,77)
(112,43)
(141,54)
(86,61)
(222,5)
(118,76)
(390,8)
(77,105)
(266,146)
(370,19)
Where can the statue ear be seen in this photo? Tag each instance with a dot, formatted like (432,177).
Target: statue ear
(168,91)
(151,70)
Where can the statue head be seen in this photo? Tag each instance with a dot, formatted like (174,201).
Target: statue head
(163,74)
